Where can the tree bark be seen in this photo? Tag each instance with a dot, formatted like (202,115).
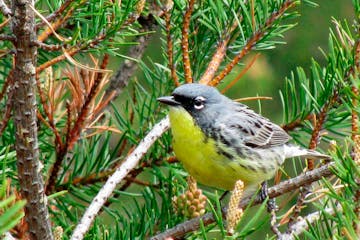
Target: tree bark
(24,108)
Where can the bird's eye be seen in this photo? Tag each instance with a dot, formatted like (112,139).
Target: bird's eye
(199,102)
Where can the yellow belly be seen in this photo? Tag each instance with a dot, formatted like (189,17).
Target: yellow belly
(200,157)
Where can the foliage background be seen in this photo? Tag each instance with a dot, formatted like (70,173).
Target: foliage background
(141,205)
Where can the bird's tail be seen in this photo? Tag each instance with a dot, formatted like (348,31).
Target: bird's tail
(296,151)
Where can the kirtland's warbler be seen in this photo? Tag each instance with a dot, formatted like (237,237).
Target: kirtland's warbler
(220,141)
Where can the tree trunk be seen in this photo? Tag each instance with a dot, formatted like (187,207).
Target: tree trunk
(24,107)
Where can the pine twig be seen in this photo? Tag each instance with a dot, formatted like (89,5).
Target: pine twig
(219,54)
(5,37)
(4,23)
(215,62)
(319,125)
(252,41)
(185,42)
(241,74)
(310,162)
(9,105)
(47,47)
(121,172)
(122,77)
(58,11)
(302,225)
(70,52)
(170,50)
(75,131)
(286,186)
(355,90)
(5,9)
(55,25)
(8,82)
(296,123)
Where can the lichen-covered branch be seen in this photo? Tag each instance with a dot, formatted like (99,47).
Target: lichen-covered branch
(4,8)
(121,172)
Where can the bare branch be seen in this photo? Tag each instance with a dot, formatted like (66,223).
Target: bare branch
(302,225)
(48,47)
(5,9)
(121,172)
(5,37)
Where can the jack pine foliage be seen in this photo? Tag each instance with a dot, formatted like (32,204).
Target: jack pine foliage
(85,131)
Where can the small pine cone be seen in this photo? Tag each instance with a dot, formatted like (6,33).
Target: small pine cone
(175,204)
(192,203)
(58,233)
(140,6)
(234,213)
(357,149)
(196,201)
(189,196)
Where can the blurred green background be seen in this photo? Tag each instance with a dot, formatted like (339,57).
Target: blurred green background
(303,42)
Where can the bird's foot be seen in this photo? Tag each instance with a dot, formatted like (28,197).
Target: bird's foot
(272,208)
(271,204)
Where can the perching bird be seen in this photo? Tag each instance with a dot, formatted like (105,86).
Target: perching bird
(220,141)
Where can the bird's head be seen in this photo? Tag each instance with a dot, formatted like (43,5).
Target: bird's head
(196,99)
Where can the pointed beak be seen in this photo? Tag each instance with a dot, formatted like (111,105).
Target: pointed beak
(168,100)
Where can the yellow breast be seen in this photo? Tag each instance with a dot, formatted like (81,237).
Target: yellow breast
(199,155)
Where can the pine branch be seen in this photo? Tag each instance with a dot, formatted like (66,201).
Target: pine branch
(185,42)
(5,37)
(74,133)
(71,51)
(122,77)
(4,23)
(5,9)
(59,11)
(7,114)
(302,225)
(48,47)
(296,123)
(250,44)
(215,62)
(286,186)
(59,22)
(170,50)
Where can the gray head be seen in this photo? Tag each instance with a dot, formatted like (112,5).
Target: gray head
(201,101)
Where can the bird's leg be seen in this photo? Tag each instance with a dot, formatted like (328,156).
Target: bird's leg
(271,204)
(223,195)
(271,208)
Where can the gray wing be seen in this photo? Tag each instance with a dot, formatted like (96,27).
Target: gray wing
(251,128)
